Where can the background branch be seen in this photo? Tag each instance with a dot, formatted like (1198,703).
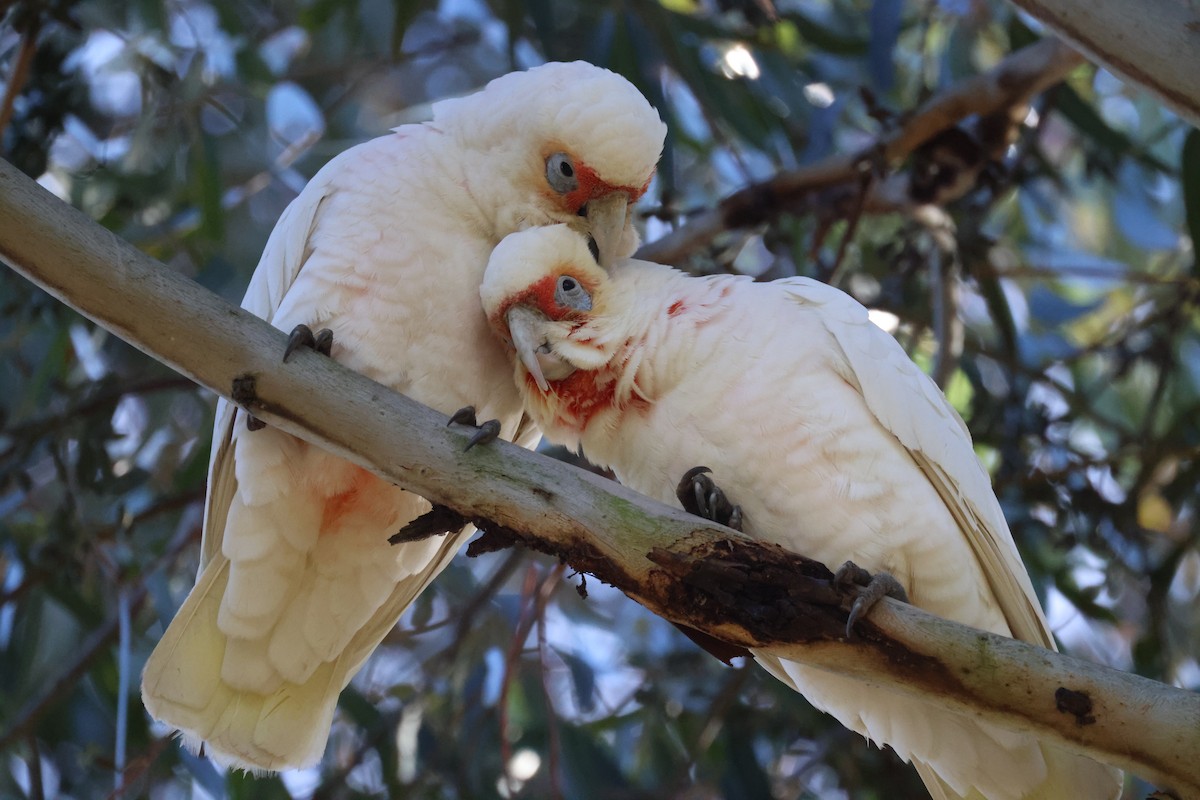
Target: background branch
(679,566)
(1014,80)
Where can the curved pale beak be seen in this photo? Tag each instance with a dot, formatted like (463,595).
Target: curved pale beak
(524,326)
(606,221)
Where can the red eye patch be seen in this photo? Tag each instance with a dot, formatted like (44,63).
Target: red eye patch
(592,186)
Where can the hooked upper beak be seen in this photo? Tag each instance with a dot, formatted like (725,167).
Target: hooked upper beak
(606,220)
(523,326)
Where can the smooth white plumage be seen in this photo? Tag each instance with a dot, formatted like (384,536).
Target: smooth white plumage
(818,424)
(386,247)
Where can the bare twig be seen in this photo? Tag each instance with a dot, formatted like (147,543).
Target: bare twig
(552,735)
(138,766)
(1014,80)
(20,73)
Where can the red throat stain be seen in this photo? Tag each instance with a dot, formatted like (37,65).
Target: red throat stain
(583,394)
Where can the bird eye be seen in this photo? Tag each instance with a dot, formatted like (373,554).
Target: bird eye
(560,173)
(571,294)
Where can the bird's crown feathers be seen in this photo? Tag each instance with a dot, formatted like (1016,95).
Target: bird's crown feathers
(595,114)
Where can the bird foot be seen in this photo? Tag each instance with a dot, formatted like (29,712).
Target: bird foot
(872,589)
(699,495)
(302,336)
(486,433)
(434,522)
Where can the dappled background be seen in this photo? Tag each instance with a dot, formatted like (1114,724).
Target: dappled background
(1052,291)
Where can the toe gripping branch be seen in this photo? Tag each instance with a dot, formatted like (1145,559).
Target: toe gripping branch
(486,433)
(871,589)
(301,336)
(699,495)
(441,519)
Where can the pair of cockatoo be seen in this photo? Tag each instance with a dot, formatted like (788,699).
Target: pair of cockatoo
(817,424)
(834,444)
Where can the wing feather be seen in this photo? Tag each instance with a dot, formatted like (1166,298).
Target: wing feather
(283,258)
(909,404)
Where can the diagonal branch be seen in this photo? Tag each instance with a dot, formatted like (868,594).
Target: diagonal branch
(1014,80)
(1151,42)
(679,566)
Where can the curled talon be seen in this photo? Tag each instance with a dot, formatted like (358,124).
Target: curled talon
(323,342)
(464,416)
(253,423)
(699,495)
(302,336)
(872,589)
(487,432)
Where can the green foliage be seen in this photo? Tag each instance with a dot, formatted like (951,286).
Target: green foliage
(187,128)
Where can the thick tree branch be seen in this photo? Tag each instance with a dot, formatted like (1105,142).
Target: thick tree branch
(1014,80)
(689,571)
(1152,43)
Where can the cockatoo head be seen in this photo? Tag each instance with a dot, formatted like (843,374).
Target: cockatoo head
(560,143)
(541,287)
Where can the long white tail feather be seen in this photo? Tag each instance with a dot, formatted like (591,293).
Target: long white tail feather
(956,755)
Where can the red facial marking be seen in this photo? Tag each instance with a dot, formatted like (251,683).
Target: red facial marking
(540,295)
(591,186)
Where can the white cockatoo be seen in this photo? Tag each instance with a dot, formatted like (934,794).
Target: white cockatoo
(815,421)
(385,248)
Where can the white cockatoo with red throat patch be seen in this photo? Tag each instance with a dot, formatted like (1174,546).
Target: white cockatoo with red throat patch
(834,444)
(385,248)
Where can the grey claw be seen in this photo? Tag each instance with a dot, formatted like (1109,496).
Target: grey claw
(699,495)
(323,342)
(302,336)
(253,423)
(872,589)
(488,432)
(464,416)
(735,518)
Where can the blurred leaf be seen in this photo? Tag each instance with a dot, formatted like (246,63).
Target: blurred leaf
(589,770)
(1189,167)
(205,774)
(821,37)
(1053,310)
(243,786)
(1089,122)
(743,777)
(405,11)
(884,20)
(207,188)
(1154,512)
(583,679)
